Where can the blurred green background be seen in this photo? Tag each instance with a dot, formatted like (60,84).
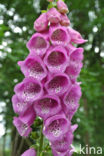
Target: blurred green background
(16,27)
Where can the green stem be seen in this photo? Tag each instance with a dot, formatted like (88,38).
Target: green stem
(41,142)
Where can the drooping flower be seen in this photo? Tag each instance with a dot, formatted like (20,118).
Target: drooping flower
(29,152)
(58,84)
(73,70)
(19,105)
(24,121)
(47,106)
(77,55)
(23,128)
(41,23)
(62,7)
(76,36)
(38,44)
(71,98)
(56,59)
(56,126)
(63,143)
(33,66)
(29,89)
(59,35)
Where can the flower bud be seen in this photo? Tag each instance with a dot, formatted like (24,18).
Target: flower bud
(64,20)
(62,7)
(53,16)
(41,23)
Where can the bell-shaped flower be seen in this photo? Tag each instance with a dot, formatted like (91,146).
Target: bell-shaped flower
(24,121)
(77,55)
(23,128)
(63,143)
(64,20)
(33,66)
(47,106)
(53,15)
(76,36)
(72,97)
(38,44)
(41,23)
(73,70)
(29,89)
(69,48)
(28,116)
(56,126)
(58,84)
(56,59)
(59,35)
(29,152)
(62,7)
(19,106)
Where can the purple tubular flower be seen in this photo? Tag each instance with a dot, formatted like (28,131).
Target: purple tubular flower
(62,144)
(56,59)
(33,66)
(29,89)
(28,116)
(24,121)
(58,84)
(41,23)
(53,16)
(73,70)
(77,55)
(56,126)
(38,44)
(64,20)
(23,128)
(72,97)
(19,105)
(59,35)
(29,152)
(47,106)
(76,36)
(62,7)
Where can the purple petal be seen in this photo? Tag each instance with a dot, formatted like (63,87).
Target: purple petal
(47,106)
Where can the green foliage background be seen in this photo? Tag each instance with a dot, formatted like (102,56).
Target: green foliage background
(16,27)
